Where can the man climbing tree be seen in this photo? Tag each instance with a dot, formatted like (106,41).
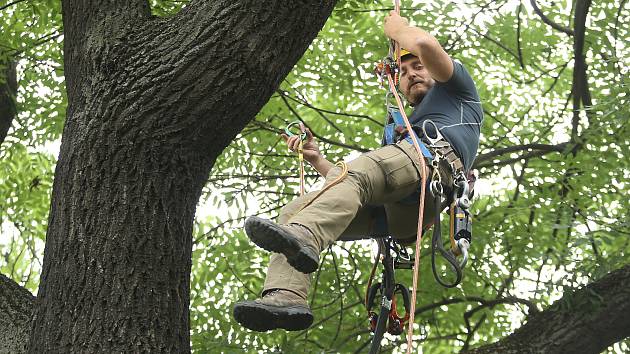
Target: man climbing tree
(153,100)
(441,90)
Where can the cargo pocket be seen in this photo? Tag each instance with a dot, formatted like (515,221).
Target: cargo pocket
(400,172)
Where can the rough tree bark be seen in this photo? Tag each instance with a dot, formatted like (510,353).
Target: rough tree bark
(152,102)
(16,308)
(585,321)
(8,91)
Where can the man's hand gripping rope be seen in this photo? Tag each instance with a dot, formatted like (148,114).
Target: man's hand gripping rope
(307,149)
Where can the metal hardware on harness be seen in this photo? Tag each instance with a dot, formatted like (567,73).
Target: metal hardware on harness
(438,135)
(460,230)
(437,246)
(463,201)
(461,222)
(401,252)
(385,67)
(463,246)
(436,179)
(436,189)
(402,259)
(396,323)
(460,218)
(387,303)
(387,317)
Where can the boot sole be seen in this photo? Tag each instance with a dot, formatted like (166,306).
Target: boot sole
(263,318)
(273,238)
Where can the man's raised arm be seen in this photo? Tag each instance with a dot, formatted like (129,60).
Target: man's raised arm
(421,44)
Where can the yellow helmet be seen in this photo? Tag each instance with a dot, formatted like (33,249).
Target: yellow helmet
(404,52)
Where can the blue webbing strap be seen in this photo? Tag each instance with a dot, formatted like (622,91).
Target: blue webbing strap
(398,121)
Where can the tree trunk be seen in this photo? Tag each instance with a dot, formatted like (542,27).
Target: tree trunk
(152,102)
(16,309)
(8,91)
(585,321)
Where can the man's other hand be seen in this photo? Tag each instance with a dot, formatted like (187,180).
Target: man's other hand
(309,148)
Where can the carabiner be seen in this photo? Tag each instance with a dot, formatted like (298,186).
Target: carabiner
(436,188)
(300,125)
(438,135)
(463,246)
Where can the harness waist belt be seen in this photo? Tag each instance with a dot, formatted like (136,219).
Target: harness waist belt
(396,131)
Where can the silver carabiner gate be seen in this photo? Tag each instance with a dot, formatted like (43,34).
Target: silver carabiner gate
(438,135)
(463,246)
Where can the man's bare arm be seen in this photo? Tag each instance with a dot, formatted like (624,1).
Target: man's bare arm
(322,165)
(422,44)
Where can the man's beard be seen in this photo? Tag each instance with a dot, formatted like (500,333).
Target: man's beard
(415,100)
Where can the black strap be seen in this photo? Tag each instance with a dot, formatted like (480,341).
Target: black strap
(437,245)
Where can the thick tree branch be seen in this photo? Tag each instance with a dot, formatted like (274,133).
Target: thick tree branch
(246,53)
(545,148)
(580,89)
(8,91)
(548,21)
(321,138)
(321,110)
(598,314)
(16,307)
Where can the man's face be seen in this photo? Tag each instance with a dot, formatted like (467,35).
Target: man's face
(415,79)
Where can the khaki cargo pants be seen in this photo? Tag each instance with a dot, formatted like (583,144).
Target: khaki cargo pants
(380,177)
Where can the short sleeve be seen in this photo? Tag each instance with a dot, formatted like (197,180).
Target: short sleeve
(461,83)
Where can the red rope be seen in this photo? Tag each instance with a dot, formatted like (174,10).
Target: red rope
(423,173)
(392,87)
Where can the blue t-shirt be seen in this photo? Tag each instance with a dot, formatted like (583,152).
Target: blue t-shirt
(455,108)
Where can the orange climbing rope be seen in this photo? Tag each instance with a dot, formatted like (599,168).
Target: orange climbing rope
(416,265)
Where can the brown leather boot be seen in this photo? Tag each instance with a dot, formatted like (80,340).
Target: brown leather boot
(278,308)
(294,241)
